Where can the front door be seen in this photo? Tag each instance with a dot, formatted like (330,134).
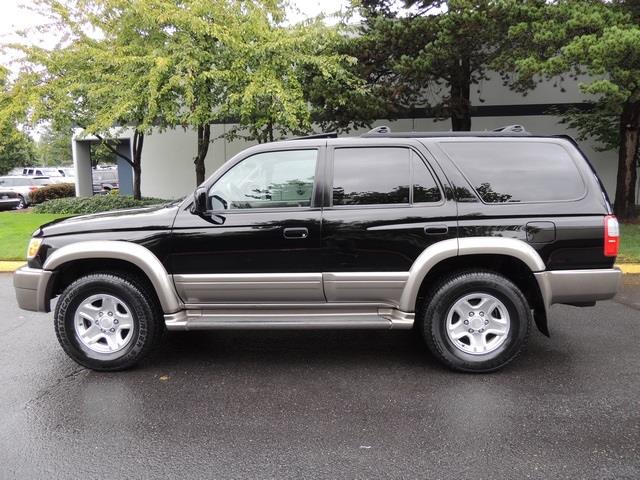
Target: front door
(260,238)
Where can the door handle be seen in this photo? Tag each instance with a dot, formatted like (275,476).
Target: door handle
(436,230)
(295,233)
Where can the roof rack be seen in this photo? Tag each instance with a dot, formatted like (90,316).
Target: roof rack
(317,135)
(507,131)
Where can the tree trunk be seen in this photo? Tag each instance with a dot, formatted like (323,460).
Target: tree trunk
(459,102)
(138,141)
(624,205)
(204,138)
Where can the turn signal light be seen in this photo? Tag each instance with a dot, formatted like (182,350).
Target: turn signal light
(34,246)
(611,236)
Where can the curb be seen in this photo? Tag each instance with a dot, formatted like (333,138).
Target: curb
(12,266)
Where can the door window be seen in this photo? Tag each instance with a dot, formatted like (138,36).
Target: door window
(381,176)
(267,180)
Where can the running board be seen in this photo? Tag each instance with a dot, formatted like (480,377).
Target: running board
(289,318)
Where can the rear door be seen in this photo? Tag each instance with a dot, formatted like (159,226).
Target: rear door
(386,203)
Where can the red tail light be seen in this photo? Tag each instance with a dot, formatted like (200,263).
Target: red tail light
(611,236)
(33,189)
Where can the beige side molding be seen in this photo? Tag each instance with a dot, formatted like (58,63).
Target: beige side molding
(128,252)
(464,246)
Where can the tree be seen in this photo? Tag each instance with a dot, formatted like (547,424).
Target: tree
(279,76)
(597,38)
(432,53)
(16,147)
(54,146)
(106,75)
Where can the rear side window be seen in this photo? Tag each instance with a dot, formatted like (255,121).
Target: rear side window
(381,176)
(515,172)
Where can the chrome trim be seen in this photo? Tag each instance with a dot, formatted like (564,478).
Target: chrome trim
(578,286)
(250,288)
(31,287)
(445,249)
(384,287)
(249,317)
(127,251)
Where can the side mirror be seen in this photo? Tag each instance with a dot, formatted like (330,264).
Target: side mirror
(200,200)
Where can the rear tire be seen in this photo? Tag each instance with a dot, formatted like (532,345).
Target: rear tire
(108,321)
(476,321)
(23,204)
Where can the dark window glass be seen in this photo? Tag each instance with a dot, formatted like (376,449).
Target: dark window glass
(267,180)
(425,189)
(512,172)
(371,176)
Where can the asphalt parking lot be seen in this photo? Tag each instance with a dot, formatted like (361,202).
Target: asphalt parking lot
(325,405)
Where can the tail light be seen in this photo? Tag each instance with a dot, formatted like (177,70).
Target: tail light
(611,236)
(32,188)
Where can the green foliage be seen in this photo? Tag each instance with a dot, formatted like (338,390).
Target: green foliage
(95,204)
(49,192)
(54,146)
(431,56)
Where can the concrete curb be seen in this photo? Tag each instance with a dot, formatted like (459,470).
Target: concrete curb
(628,268)
(12,266)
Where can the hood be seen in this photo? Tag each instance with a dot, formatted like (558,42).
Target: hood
(144,218)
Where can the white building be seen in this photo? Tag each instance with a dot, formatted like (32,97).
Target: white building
(167,160)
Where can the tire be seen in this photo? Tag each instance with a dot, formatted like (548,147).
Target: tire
(482,302)
(22,205)
(108,321)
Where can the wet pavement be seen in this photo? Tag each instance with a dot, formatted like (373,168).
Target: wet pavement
(325,405)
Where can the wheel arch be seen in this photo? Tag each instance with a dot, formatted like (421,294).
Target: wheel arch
(105,255)
(510,257)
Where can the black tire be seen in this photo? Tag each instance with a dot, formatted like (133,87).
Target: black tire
(147,321)
(467,283)
(23,204)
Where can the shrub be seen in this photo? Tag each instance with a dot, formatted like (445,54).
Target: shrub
(96,204)
(56,190)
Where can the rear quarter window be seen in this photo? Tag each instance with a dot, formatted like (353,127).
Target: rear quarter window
(517,172)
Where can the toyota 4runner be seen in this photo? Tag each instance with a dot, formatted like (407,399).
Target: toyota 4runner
(467,237)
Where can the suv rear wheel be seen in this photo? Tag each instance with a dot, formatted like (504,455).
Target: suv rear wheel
(107,321)
(476,321)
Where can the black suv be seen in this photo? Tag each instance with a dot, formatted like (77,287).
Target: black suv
(468,238)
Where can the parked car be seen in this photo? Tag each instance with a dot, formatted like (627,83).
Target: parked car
(23,186)
(8,200)
(467,237)
(104,181)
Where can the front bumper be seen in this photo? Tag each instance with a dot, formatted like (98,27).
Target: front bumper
(9,203)
(579,286)
(32,287)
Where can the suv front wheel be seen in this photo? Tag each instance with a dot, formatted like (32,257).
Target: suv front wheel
(476,321)
(107,321)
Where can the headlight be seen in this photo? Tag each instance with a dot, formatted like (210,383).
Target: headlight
(34,246)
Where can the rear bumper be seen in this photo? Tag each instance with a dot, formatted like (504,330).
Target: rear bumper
(579,286)
(31,287)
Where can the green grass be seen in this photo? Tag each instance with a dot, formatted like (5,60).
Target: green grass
(629,243)
(16,229)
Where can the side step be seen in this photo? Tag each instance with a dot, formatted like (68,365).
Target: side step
(290,318)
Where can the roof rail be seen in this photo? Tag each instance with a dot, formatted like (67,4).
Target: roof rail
(381,130)
(317,135)
(511,129)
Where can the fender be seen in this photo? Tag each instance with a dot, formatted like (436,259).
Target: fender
(440,251)
(127,251)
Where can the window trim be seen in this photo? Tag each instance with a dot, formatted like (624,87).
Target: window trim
(585,190)
(412,151)
(313,203)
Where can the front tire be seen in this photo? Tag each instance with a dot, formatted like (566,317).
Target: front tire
(22,204)
(476,321)
(107,321)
